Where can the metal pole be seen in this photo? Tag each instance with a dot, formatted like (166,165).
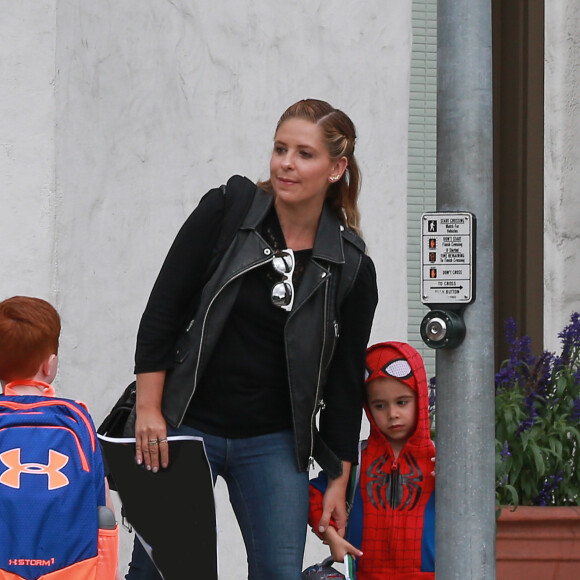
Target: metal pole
(465,523)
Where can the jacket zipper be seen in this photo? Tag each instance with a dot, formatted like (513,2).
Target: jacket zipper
(336,337)
(394,484)
(256,265)
(315,410)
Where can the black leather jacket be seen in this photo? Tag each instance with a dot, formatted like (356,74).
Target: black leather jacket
(311,331)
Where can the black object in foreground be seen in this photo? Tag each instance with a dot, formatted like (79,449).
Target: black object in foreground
(173,510)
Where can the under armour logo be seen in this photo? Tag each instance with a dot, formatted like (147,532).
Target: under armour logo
(56,461)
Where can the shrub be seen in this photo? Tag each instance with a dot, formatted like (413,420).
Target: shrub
(537,415)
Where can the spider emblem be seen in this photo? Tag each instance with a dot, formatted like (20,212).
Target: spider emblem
(388,488)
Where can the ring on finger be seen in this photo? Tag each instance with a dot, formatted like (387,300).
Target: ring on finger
(163,440)
(153,442)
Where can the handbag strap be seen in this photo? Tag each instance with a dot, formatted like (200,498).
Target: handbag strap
(238,196)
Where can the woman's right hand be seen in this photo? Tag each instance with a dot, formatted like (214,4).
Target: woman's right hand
(151,446)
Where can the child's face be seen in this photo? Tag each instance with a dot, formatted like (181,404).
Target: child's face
(393,406)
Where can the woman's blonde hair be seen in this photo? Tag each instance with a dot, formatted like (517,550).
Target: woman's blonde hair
(339,135)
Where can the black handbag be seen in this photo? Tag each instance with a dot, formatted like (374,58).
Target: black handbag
(120,422)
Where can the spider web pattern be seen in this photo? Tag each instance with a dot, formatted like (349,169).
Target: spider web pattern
(394,500)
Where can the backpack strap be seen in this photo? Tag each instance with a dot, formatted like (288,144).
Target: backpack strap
(45,390)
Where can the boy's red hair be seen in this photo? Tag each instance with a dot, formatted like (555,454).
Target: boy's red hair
(29,332)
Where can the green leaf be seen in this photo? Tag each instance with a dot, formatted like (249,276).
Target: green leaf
(513,494)
(538,459)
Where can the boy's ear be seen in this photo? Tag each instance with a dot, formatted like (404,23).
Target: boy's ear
(49,367)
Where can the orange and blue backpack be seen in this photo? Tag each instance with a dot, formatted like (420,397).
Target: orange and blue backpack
(52,484)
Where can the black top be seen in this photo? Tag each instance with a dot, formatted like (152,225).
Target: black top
(244,390)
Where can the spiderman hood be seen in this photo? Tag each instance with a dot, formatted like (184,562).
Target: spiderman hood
(401,361)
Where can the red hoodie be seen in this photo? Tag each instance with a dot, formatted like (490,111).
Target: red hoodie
(397,495)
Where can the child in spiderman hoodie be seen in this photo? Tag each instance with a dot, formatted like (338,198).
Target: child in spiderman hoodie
(391,526)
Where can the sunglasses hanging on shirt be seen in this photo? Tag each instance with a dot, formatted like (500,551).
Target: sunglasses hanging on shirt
(283,292)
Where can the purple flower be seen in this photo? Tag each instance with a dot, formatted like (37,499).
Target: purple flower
(541,374)
(517,367)
(506,376)
(570,337)
(551,484)
(575,414)
(528,423)
(505,452)
(432,394)
(511,328)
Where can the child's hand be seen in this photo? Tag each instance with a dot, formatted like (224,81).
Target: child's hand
(433,472)
(339,547)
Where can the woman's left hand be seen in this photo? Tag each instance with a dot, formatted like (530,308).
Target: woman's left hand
(339,547)
(334,502)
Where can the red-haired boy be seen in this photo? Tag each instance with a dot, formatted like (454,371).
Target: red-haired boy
(54,497)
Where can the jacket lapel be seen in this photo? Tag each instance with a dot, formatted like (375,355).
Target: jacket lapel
(327,251)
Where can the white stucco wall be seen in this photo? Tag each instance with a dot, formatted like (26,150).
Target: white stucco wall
(27,155)
(118,116)
(562,168)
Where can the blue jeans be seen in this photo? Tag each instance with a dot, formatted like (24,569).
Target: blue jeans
(269,497)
